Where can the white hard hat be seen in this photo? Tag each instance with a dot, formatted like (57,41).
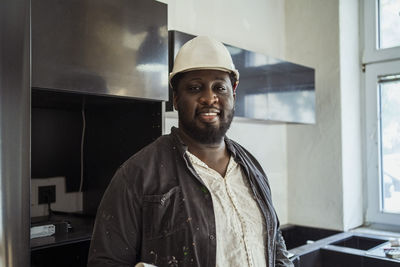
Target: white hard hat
(203,53)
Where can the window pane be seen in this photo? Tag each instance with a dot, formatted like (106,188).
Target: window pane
(389,23)
(390,145)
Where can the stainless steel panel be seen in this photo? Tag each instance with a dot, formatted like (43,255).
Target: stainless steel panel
(104,47)
(14,132)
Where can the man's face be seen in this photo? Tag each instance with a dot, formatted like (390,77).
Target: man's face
(205,103)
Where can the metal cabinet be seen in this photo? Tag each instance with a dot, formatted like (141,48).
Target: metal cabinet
(270,89)
(101,47)
(99,76)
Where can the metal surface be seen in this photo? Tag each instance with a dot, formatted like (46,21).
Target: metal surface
(103,47)
(14,132)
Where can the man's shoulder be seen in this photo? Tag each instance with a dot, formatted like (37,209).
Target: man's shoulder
(146,160)
(156,149)
(146,170)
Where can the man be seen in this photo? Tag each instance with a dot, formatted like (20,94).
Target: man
(193,197)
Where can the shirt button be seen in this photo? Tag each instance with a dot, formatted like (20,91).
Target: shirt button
(212,237)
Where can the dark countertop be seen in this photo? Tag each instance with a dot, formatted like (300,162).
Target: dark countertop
(82,227)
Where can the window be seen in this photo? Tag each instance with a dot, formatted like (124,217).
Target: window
(389,141)
(381,30)
(382,109)
(388,23)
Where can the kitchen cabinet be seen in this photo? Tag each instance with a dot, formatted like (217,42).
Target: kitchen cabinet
(114,129)
(102,47)
(99,76)
(270,89)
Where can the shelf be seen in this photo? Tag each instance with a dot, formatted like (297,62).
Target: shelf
(82,228)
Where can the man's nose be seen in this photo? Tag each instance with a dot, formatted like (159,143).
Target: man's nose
(208,97)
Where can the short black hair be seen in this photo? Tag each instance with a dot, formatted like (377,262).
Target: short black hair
(178,77)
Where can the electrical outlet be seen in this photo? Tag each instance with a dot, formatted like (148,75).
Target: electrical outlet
(68,202)
(47,194)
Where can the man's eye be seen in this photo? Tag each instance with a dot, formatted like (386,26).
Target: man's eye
(221,88)
(193,88)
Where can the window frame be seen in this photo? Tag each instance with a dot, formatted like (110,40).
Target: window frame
(376,62)
(371,52)
(374,213)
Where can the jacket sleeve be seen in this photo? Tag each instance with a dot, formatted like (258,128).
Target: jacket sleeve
(116,235)
(282,255)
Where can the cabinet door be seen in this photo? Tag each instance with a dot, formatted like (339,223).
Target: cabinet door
(75,254)
(104,47)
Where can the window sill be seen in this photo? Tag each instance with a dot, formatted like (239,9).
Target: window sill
(379,229)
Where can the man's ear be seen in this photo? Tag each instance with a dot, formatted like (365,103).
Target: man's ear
(175,99)
(234,89)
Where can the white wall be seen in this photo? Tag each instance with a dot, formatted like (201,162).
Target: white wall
(314,154)
(351,114)
(314,170)
(257,25)
(324,160)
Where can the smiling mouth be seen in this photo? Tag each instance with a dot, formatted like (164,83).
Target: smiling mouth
(209,116)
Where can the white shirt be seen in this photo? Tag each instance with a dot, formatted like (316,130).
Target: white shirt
(240,226)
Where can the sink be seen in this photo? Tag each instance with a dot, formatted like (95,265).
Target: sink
(358,242)
(296,235)
(336,249)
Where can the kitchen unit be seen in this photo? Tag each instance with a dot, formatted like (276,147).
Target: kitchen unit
(314,247)
(107,106)
(99,76)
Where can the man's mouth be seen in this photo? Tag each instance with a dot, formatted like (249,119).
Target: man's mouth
(209,115)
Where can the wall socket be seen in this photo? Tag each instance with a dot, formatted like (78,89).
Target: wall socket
(53,187)
(47,194)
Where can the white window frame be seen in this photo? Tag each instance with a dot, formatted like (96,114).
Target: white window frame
(372,137)
(371,52)
(377,62)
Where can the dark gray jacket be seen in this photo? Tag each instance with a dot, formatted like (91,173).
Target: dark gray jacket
(157,210)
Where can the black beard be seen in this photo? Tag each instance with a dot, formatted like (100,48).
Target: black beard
(210,134)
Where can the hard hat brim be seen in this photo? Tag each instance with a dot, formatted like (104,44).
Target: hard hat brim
(235,72)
